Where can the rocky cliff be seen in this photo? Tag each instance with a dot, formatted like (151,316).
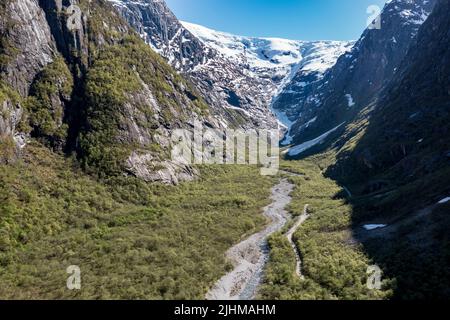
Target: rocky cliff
(76,77)
(395,157)
(233,105)
(358,76)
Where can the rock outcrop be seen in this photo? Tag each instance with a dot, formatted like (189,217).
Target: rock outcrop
(27,43)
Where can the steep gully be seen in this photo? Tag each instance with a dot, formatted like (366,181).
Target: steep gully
(250,256)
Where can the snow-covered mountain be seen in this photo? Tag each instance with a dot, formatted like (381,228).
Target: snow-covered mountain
(238,76)
(276,59)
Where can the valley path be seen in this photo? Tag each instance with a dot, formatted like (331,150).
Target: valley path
(290,235)
(250,256)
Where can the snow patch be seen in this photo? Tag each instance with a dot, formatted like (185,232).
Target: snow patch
(295,151)
(259,53)
(445,200)
(275,58)
(284,122)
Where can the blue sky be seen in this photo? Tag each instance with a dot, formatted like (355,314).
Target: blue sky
(292,19)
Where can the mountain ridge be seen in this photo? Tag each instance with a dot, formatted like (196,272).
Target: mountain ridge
(358,76)
(244,103)
(277,59)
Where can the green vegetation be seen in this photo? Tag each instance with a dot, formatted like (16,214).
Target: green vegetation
(7,49)
(417,256)
(414,258)
(281,282)
(105,24)
(132,240)
(334,265)
(136,240)
(7,149)
(394,159)
(7,93)
(108,81)
(51,90)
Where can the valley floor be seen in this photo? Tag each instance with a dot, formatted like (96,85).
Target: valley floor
(131,240)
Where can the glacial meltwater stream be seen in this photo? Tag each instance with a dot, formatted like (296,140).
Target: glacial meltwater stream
(250,256)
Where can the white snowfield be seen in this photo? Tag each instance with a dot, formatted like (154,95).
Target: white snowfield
(259,52)
(295,151)
(275,61)
(288,138)
(273,57)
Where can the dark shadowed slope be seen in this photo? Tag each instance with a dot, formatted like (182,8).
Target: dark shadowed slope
(398,162)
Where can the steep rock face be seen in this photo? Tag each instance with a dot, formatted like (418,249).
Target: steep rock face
(58,14)
(397,165)
(359,75)
(408,130)
(159,27)
(213,74)
(134,100)
(132,112)
(96,89)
